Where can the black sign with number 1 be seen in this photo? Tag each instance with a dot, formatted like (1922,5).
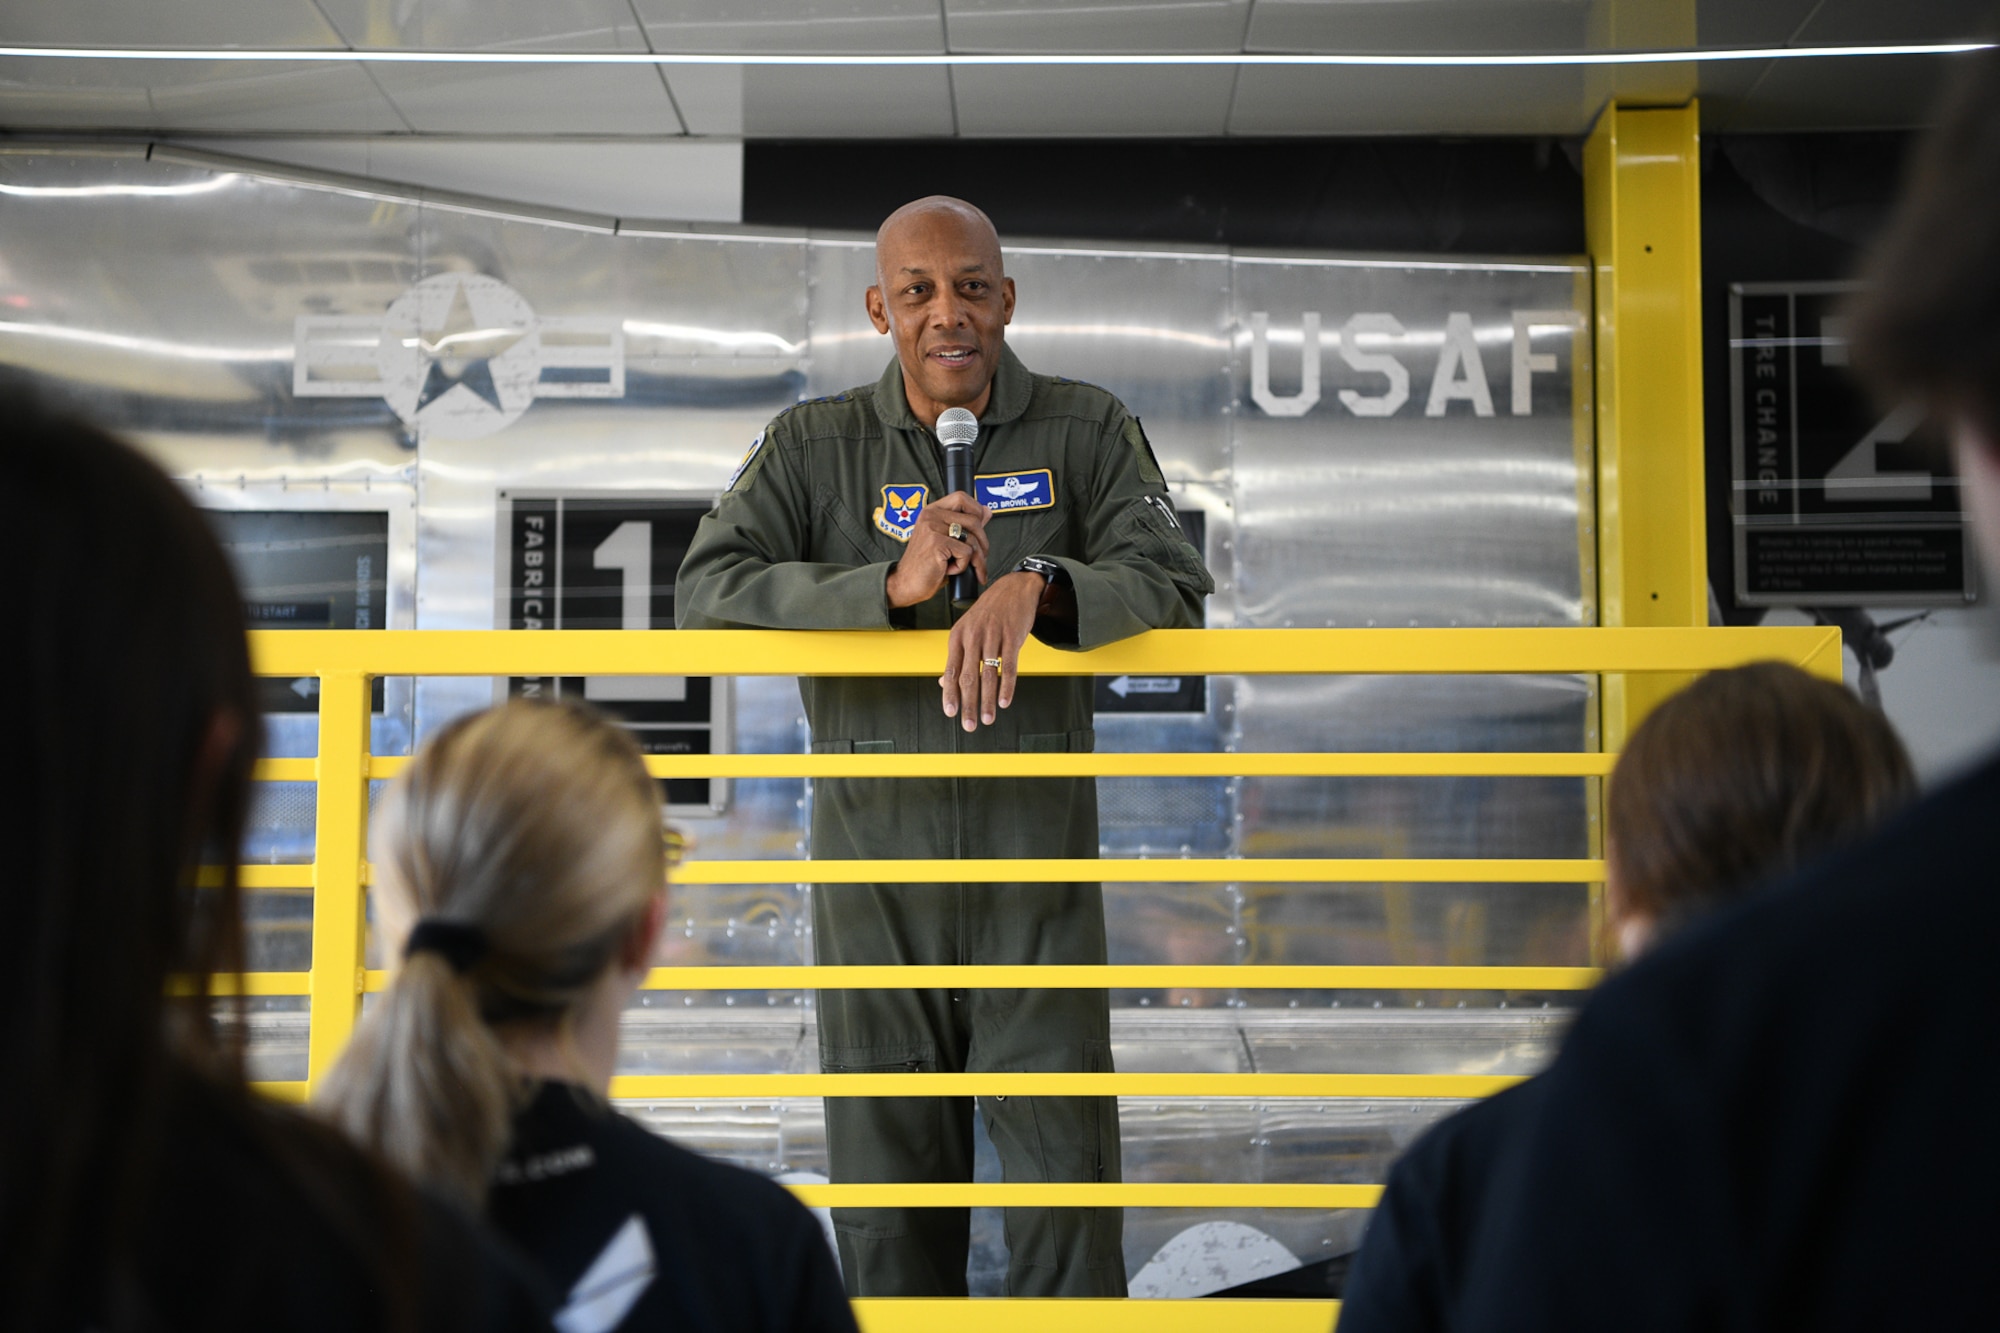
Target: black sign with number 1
(586,562)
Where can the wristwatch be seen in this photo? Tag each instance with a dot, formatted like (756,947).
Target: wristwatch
(1052,572)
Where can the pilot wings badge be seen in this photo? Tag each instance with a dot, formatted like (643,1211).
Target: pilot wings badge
(900,506)
(1002,491)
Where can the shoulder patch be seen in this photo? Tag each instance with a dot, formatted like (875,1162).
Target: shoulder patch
(749,459)
(1149,466)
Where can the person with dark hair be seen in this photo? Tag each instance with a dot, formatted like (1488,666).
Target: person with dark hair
(1783,1117)
(1743,776)
(142,1184)
(522,882)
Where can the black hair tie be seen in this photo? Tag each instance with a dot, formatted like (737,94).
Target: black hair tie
(459,943)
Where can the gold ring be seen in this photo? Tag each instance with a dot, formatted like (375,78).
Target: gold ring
(993,662)
(957,532)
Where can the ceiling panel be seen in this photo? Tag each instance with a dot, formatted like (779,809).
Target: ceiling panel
(709,97)
(867,27)
(693,180)
(835,103)
(1895,92)
(536,99)
(1734,23)
(1535,100)
(572,25)
(1854,22)
(1108,25)
(1425,25)
(192,94)
(312,98)
(1030,101)
(280,23)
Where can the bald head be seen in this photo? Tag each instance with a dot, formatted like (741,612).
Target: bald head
(929,216)
(941,291)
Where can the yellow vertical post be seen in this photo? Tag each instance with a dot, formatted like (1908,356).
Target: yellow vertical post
(338,924)
(1642,217)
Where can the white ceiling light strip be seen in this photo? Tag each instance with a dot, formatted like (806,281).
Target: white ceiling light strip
(1244,59)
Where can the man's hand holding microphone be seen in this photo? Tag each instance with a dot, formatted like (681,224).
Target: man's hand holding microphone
(949,543)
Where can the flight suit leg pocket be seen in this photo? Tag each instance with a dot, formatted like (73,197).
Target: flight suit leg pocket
(898,1251)
(1062,1251)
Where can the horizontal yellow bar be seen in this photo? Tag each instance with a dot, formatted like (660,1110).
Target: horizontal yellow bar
(1092,1315)
(1123,870)
(250,983)
(1165,652)
(762,1087)
(260,876)
(1159,869)
(283,1091)
(1248,976)
(286,770)
(765,1087)
(1102,764)
(1145,1194)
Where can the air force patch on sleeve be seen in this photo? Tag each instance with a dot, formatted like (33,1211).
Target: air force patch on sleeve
(900,506)
(748,458)
(1002,491)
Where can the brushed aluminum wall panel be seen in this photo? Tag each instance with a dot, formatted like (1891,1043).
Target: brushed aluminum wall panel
(714,332)
(1460,508)
(169,301)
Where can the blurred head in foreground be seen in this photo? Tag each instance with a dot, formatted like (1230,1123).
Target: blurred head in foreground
(142,1184)
(135,729)
(1740,777)
(1927,322)
(521,882)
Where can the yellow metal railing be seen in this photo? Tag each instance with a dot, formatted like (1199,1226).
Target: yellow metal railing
(346,662)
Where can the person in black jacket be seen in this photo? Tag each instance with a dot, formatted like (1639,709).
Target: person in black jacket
(1744,775)
(521,874)
(1784,1116)
(143,1186)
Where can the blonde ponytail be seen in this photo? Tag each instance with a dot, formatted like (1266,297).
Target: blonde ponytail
(535,829)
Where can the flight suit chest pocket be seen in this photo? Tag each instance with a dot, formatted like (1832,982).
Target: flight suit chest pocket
(1059,742)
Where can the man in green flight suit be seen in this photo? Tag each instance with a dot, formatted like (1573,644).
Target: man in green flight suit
(837,519)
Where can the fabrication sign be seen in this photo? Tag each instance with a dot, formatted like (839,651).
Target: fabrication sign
(608,562)
(1833,502)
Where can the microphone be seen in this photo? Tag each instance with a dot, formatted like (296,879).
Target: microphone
(956,430)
